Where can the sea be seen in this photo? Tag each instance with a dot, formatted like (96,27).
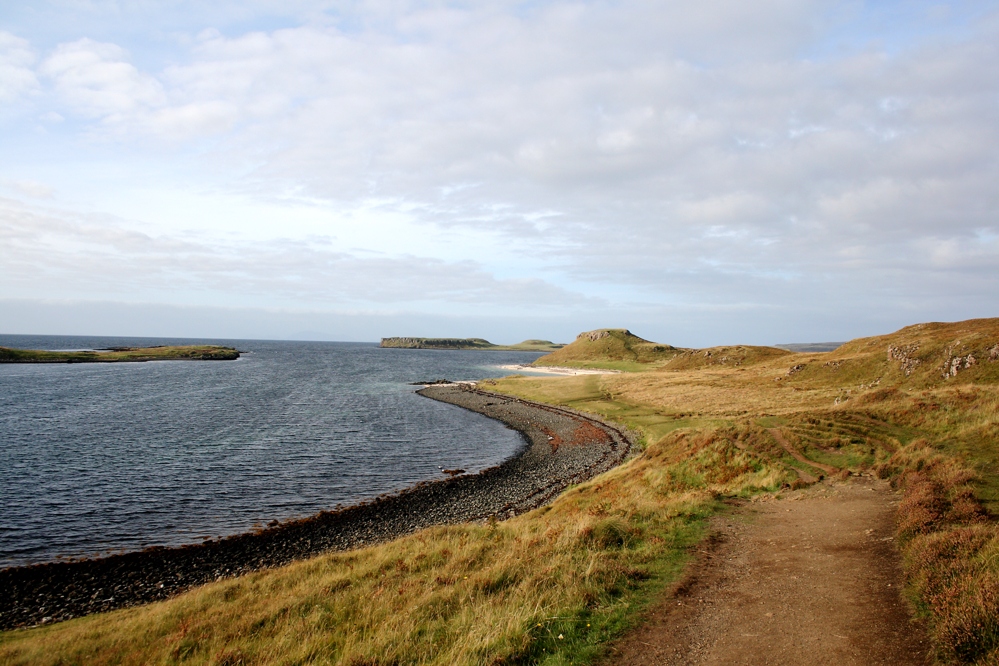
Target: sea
(113,457)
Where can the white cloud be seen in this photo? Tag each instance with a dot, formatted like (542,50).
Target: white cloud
(96,81)
(664,152)
(48,253)
(17,76)
(29,188)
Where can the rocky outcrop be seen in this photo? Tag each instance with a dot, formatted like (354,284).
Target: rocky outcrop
(436,343)
(954,364)
(593,336)
(904,355)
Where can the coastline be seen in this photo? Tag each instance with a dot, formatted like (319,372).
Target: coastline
(121,354)
(561,447)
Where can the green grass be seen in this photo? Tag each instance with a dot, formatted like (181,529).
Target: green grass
(584,567)
(590,393)
(619,349)
(549,587)
(121,354)
(612,348)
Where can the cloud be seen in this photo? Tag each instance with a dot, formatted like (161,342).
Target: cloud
(29,188)
(662,153)
(96,80)
(17,76)
(50,254)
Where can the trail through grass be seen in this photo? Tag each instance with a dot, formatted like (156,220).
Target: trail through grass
(552,586)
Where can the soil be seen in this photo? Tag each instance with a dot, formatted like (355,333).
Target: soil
(811,578)
(561,447)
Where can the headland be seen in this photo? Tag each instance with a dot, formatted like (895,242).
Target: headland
(121,354)
(468,343)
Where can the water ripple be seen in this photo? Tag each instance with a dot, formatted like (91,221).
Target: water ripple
(99,458)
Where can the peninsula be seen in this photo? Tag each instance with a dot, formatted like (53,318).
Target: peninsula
(121,354)
(468,343)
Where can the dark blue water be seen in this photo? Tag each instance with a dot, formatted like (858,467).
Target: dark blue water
(105,457)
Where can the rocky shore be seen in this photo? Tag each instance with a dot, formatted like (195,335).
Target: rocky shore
(562,447)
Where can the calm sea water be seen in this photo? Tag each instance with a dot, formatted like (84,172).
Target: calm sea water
(96,458)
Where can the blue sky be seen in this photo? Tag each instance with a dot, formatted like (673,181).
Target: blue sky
(702,174)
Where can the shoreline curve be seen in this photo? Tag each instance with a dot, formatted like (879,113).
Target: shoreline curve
(562,447)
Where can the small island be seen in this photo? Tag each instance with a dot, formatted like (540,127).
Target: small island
(468,343)
(121,354)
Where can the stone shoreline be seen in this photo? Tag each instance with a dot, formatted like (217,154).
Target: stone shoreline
(562,447)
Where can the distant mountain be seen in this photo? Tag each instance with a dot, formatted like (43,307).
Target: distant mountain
(810,346)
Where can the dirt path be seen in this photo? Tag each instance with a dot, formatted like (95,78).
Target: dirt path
(813,578)
(797,455)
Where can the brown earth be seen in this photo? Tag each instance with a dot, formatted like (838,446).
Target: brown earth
(812,578)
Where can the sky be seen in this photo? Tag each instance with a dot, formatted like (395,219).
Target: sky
(701,173)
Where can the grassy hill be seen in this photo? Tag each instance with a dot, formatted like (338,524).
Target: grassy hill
(734,356)
(919,407)
(467,343)
(620,349)
(615,348)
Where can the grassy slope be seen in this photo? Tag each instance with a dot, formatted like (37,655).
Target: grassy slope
(614,348)
(533,345)
(619,349)
(550,586)
(164,353)
(547,587)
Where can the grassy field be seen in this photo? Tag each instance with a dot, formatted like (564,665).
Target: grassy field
(919,407)
(121,354)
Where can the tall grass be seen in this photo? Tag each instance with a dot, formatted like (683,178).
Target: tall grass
(950,549)
(552,586)
(547,587)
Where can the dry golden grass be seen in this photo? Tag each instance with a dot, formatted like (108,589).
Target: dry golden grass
(920,406)
(553,585)
(614,348)
(549,586)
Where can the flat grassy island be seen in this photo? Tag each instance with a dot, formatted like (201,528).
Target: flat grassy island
(722,429)
(121,354)
(467,343)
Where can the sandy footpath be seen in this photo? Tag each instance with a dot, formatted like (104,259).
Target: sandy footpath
(813,578)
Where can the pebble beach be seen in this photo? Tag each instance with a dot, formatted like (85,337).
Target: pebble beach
(561,447)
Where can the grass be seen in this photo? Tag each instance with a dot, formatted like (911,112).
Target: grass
(121,354)
(613,348)
(547,587)
(554,585)
(620,349)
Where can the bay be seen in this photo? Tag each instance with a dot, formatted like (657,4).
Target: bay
(99,458)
